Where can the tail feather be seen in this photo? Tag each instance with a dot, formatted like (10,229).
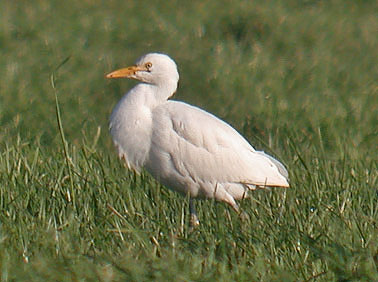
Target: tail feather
(281,168)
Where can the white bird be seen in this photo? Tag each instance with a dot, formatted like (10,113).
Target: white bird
(184,147)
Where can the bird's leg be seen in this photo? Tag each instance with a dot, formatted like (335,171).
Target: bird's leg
(193,214)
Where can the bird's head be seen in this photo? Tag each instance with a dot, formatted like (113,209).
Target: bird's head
(154,68)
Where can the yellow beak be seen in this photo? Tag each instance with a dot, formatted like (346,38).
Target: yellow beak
(128,72)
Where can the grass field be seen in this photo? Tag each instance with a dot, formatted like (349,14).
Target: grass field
(297,78)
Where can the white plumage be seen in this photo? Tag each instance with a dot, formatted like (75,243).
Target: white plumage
(185,148)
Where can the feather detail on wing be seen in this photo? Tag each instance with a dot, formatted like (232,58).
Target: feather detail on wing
(199,145)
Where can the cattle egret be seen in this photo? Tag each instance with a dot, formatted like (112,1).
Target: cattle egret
(185,148)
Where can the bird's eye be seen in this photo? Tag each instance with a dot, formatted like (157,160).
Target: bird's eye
(148,65)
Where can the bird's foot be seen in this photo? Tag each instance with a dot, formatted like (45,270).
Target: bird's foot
(194,222)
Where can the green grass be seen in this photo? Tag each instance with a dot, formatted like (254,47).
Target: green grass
(297,78)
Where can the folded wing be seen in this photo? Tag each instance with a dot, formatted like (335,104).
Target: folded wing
(198,145)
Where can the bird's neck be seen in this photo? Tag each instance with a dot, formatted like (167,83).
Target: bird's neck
(165,90)
(152,95)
